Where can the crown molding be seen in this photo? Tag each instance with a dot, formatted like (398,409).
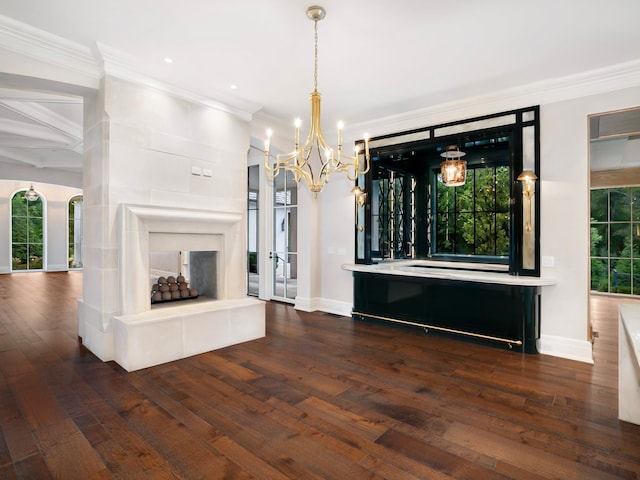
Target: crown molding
(46,47)
(593,82)
(38,97)
(45,117)
(19,156)
(24,39)
(31,42)
(121,65)
(29,130)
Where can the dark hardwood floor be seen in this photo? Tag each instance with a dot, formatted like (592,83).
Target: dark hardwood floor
(319,397)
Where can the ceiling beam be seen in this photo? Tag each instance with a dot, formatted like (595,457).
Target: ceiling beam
(38,132)
(45,117)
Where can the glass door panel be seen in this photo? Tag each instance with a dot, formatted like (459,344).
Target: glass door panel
(253,209)
(285,238)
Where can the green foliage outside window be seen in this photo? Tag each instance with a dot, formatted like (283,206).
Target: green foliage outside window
(75,232)
(473,219)
(615,240)
(26,233)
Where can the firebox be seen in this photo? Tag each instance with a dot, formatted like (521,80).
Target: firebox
(182,275)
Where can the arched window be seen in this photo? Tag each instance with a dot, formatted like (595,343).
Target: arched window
(75,232)
(27,233)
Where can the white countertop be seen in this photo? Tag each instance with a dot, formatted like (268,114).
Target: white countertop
(630,316)
(469,272)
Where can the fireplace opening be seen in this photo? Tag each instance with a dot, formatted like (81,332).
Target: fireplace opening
(182,275)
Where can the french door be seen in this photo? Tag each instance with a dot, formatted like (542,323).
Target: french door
(253,231)
(284,253)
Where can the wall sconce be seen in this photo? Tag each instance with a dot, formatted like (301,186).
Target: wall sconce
(361,195)
(528,179)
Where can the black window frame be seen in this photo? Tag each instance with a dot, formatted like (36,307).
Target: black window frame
(521,126)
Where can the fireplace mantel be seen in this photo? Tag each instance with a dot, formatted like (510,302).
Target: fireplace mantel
(144,337)
(138,223)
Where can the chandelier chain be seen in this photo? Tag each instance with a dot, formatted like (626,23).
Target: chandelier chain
(315,65)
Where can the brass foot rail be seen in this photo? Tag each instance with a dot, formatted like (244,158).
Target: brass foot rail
(442,329)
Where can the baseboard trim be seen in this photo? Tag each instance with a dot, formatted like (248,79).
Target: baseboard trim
(569,348)
(326,305)
(306,304)
(57,268)
(335,307)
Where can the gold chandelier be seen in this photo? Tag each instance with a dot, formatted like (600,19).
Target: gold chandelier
(314,160)
(453,170)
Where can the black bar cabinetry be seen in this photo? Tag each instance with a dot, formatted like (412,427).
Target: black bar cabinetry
(498,313)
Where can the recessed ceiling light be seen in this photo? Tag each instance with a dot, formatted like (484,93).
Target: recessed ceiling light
(233,87)
(168,60)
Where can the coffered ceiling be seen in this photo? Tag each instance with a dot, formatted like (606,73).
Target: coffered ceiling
(40,129)
(376,58)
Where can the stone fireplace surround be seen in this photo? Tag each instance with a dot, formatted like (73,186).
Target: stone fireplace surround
(143,336)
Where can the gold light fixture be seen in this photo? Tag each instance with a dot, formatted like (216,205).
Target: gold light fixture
(31,195)
(453,170)
(528,179)
(361,195)
(314,160)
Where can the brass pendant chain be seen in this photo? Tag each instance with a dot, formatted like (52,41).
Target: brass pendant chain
(315,71)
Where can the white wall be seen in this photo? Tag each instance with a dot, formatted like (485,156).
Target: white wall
(337,245)
(56,212)
(565,217)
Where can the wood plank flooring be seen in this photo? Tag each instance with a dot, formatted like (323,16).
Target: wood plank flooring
(321,397)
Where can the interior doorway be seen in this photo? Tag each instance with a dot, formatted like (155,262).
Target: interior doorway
(614,162)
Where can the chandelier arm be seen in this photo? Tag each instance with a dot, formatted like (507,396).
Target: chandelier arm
(273,175)
(271,172)
(352,178)
(284,158)
(299,164)
(353,167)
(305,170)
(307,178)
(326,170)
(303,157)
(322,142)
(267,167)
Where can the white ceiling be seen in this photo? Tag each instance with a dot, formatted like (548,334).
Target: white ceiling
(376,57)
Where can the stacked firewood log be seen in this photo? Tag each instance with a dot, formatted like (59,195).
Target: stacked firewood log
(172,288)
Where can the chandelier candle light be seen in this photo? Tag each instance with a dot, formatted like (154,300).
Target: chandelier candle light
(315,151)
